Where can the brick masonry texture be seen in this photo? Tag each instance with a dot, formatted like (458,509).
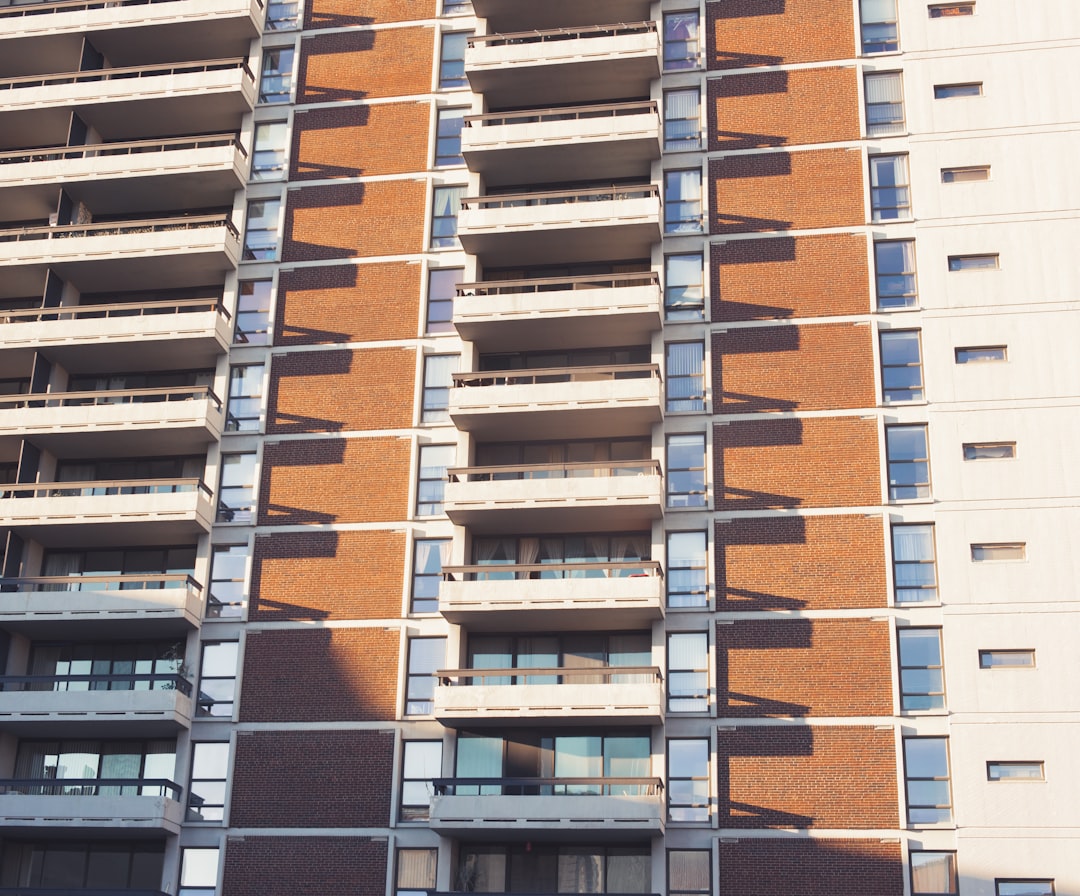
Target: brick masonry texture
(341,13)
(305,866)
(327,575)
(800,563)
(782,108)
(340,390)
(803,667)
(355,220)
(802,276)
(334,481)
(811,462)
(348,303)
(802,777)
(357,141)
(306,779)
(787,190)
(813,367)
(742,33)
(357,65)
(803,867)
(320,675)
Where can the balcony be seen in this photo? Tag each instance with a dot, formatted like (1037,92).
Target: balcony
(614,222)
(592,63)
(511,15)
(558,402)
(85,805)
(90,514)
(571,497)
(564,312)
(542,808)
(537,597)
(594,695)
(92,606)
(615,140)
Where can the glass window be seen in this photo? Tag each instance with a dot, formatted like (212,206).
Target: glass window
(448,138)
(884,104)
(894,265)
(452,60)
(415,871)
(1015,771)
(426,657)
(682,201)
(684,286)
(989,450)
(981,354)
(933,874)
(275,84)
(1003,887)
(689,872)
(988,262)
(209,773)
(922,676)
(953,91)
(430,555)
(688,780)
(680,41)
(682,120)
(890,196)
(421,761)
(268,156)
(909,462)
(686,471)
(281,15)
(965,174)
(687,572)
(901,366)
(442,287)
(879,30)
(253,313)
(685,370)
(914,564)
(236,489)
(228,568)
(989,553)
(445,206)
(688,672)
(438,370)
(457,7)
(1006,659)
(245,397)
(261,230)
(434,460)
(198,871)
(217,679)
(926,770)
(945,10)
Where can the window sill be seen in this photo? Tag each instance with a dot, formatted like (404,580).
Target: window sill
(900,502)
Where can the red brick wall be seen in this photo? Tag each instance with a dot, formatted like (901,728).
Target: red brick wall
(356,65)
(800,562)
(304,866)
(803,276)
(813,367)
(807,777)
(334,481)
(320,675)
(787,190)
(810,462)
(803,667)
(348,303)
(338,13)
(352,141)
(742,33)
(783,108)
(342,390)
(804,867)
(327,575)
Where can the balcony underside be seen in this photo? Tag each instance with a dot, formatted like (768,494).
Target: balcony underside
(73,816)
(615,818)
(513,15)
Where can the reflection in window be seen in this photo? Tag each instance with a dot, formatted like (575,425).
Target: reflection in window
(680,41)
(426,657)
(268,156)
(261,230)
(217,679)
(236,489)
(452,60)
(894,264)
(275,83)
(901,366)
(421,761)
(445,207)
(914,563)
(429,557)
(684,287)
(685,369)
(926,771)
(431,485)
(686,470)
(688,780)
(890,194)
(909,462)
(922,676)
(253,313)
(228,568)
(198,871)
(448,137)
(687,574)
(682,201)
(553,868)
(209,773)
(111,866)
(688,672)
(879,28)
(442,287)
(245,397)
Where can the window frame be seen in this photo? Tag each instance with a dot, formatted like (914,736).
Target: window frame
(435,393)
(677,310)
(243,409)
(436,507)
(693,401)
(999,552)
(244,512)
(194,813)
(448,78)
(942,810)
(267,236)
(916,585)
(445,235)
(691,141)
(889,393)
(987,655)
(207,713)
(935,698)
(214,606)
(675,200)
(690,498)
(441,158)
(963,350)
(946,91)
(690,58)
(1036,765)
(278,170)
(706,887)
(916,485)
(888,126)
(702,695)
(973,451)
(243,335)
(901,207)
(950,10)
(954,888)
(437,325)
(416,700)
(965,174)
(410,811)
(282,92)
(973,263)
(420,577)
(909,298)
(1010,881)
(693,811)
(409,888)
(886,39)
(693,597)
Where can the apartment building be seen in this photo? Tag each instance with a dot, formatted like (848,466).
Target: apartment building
(593,446)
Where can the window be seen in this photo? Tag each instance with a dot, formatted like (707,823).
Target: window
(686,471)
(884,104)
(236,488)
(281,16)
(1017,887)
(879,31)
(901,366)
(429,557)
(909,462)
(682,201)
(682,120)
(988,262)
(687,574)
(415,871)
(434,459)
(445,206)
(421,761)
(945,10)
(934,874)
(926,772)
(688,672)
(914,564)
(965,174)
(253,313)
(922,677)
(448,138)
(217,679)
(268,156)
(438,370)
(689,872)
(426,657)
(198,871)
(228,567)
(989,450)
(686,376)
(209,773)
(1015,771)
(552,868)
(275,83)
(245,397)
(684,287)
(989,553)
(457,7)
(982,353)
(442,287)
(894,266)
(688,780)
(452,60)
(954,91)
(680,41)
(261,230)
(890,197)
(1007,659)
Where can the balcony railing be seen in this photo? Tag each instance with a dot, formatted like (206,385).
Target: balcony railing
(104,487)
(537,571)
(91,787)
(126,73)
(540,375)
(554,675)
(119,309)
(153,681)
(39,9)
(96,584)
(548,786)
(591,469)
(557,34)
(131,147)
(558,284)
(613,193)
(119,228)
(49,891)
(570,113)
(109,397)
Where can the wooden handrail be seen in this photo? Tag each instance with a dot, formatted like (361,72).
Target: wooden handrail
(36,582)
(47,488)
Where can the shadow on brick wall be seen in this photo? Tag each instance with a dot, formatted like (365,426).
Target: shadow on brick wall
(747,9)
(284,455)
(347,43)
(303,546)
(333,122)
(792,635)
(312,202)
(774,433)
(288,332)
(789,530)
(759,341)
(304,365)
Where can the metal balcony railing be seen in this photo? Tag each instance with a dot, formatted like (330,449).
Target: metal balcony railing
(91,787)
(541,375)
(482,572)
(553,675)
(99,488)
(150,681)
(119,309)
(127,148)
(119,228)
(614,193)
(450,893)
(558,284)
(590,469)
(39,9)
(568,113)
(108,397)
(51,891)
(548,786)
(127,73)
(555,34)
(125,582)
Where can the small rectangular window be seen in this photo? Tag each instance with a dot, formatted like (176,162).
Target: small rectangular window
(989,450)
(884,104)
(908,457)
(689,872)
(954,91)
(978,354)
(682,120)
(457,7)
(946,10)
(1004,551)
(448,138)
(988,262)
(890,194)
(894,268)
(680,41)
(445,207)
(914,563)
(933,874)
(1015,771)
(1018,887)
(901,366)
(688,672)
(688,780)
(452,60)
(198,871)
(1016,658)
(281,15)
(966,174)
(879,28)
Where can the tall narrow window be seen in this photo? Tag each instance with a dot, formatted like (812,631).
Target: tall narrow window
(446,204)
(890,193)
(688,780)
(421,761)
(685,370)
(686,470)
(884,104)
(682,201)
(926,772)
(684,286)
(261,230)
(688,672)
(680,41)
(281,15)
(442,287)
(415,874)
(431,485)
(448,138)
(682,120)
(894,266)
(198,871)
(209,773)
(438,370)
(253,313)
(275,81)
(429,557)
(217,679)
(901,366)
(914,564)
(452,60)
(934,874)
(909,462)
(426,657)
(268,156)
(245,398)
(879,28)
(922,677)
(687,574)
(236,488)
(228,566)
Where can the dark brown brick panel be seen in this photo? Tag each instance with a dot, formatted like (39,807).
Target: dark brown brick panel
(803,667)
(320,675)
(784,108)
(800,562)
(743,33)
(812,367)
(802,777)
(339,13)
(305,866)
(804,867)
(358,575)
(808,462)
(357,65)
(787,190)
(783,276)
